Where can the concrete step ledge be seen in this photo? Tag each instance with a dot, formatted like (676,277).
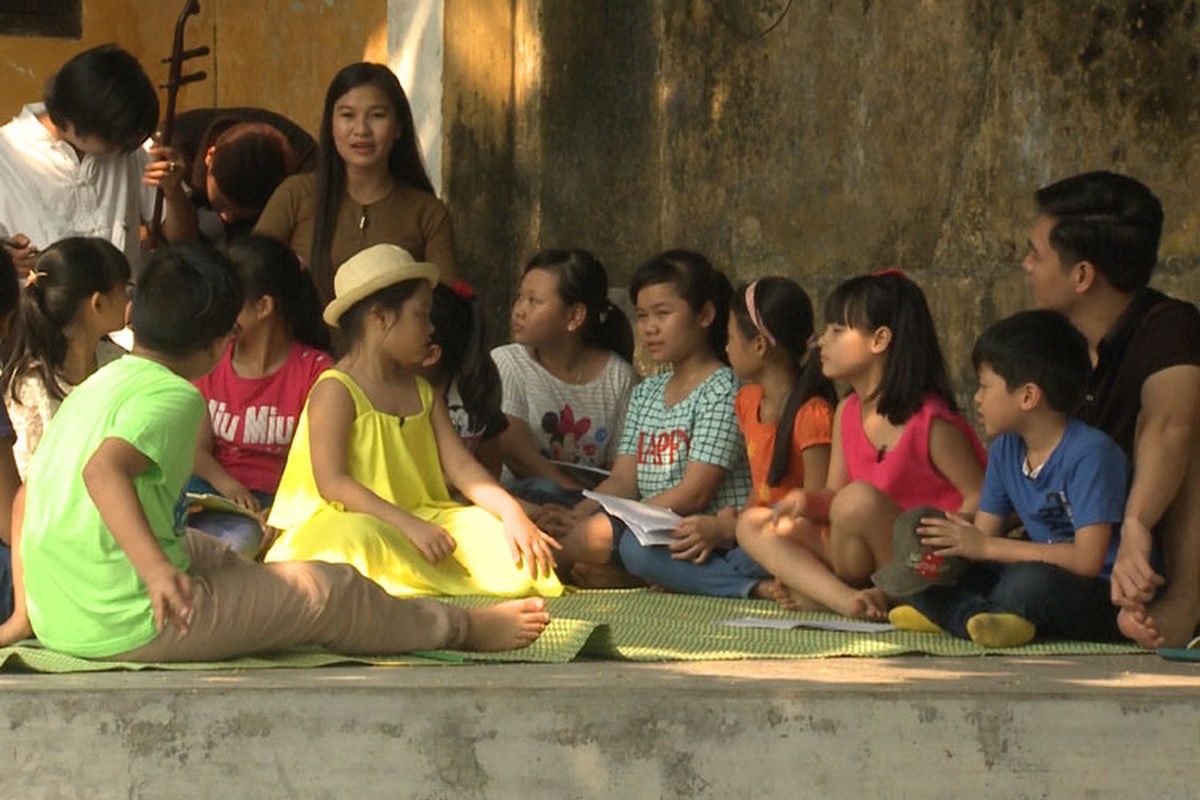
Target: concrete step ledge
(1125,727)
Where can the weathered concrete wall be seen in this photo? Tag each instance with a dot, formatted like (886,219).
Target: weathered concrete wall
(854,136)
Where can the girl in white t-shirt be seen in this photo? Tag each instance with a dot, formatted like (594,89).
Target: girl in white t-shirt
(459,369)
(566,376)
(75,296)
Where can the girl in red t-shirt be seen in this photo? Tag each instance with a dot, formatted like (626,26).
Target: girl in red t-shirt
(257,390)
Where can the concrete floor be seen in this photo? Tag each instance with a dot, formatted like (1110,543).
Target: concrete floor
(915,727)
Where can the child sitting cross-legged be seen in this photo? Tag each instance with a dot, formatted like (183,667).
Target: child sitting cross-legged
(369,473)
(109,571)
(1066,481)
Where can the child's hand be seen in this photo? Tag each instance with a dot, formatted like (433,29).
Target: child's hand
(558,520)
(24,254)
(1134,582)
(434,541)
(954,536)
(696,537)
(170,592)
(791,504)
(530,546)
(233,489)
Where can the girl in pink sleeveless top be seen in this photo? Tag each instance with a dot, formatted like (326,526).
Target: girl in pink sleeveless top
(900,443)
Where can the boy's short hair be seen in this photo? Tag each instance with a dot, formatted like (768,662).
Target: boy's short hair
(1111,221)
(104,92)
(249,162)
(187,296)
(1038,347)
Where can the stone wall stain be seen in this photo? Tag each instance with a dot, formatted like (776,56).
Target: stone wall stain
(851,137)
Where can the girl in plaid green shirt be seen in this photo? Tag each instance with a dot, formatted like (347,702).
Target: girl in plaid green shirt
(681,447)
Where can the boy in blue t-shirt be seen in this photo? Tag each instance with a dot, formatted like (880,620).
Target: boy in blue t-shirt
(1065,480)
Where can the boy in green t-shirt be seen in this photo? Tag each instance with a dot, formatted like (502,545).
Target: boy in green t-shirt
(111,571)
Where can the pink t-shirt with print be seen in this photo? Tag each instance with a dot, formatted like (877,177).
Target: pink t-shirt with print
(254,419)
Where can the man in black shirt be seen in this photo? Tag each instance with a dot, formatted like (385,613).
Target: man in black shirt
(1091,254)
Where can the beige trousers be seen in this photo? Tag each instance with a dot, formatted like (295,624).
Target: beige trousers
(240,607)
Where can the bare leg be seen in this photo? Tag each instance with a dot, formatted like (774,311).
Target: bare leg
(1172,620)
(589,542)
(860,542)
(17,627)
(506,626)
(789,551)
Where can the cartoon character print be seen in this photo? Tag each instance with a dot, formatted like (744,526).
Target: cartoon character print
(566,436)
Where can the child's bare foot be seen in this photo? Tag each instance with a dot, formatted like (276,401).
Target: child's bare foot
(770,589)
(867,604)
(506,626)
(796,600)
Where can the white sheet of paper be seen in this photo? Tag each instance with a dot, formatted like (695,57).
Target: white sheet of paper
(846,626)
(650,524)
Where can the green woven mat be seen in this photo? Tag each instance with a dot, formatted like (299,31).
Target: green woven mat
(629,625)
(641,625)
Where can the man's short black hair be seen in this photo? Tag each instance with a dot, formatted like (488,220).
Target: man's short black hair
(1111,221)
(1038,347)
(188,295)
(104,92)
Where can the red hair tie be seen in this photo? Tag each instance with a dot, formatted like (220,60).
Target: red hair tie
(883,273)
(463,290)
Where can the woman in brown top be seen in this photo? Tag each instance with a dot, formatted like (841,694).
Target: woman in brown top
(370,186)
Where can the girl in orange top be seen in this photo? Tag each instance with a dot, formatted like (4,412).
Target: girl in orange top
(785,410)
(786,413)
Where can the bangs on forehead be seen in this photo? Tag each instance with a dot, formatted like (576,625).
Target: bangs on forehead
(847,305)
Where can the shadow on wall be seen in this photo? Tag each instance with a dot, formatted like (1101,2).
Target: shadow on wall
(849,138)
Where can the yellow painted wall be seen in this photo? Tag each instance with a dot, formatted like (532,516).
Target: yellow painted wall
(281,54)
(278,54)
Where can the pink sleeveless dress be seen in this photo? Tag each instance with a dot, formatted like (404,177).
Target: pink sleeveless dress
(905,473)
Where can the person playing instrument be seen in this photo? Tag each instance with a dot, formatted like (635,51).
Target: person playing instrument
(76,165)
(238,158)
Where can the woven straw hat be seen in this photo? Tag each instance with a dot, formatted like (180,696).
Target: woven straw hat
(370,270)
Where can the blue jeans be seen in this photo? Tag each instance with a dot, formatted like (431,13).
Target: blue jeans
(1058,602)
(243,535)
(726,573)
(540,491)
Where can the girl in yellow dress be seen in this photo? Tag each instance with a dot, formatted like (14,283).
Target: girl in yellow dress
(366,477)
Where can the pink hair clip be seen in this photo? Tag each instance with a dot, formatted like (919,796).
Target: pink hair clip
(754,317)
